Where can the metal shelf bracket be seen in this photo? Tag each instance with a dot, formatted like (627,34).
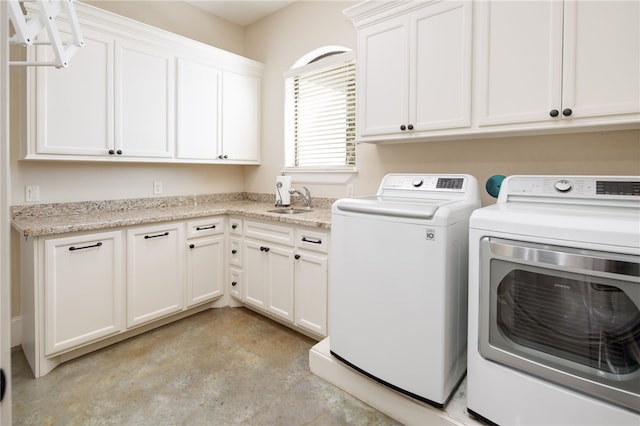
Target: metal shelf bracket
(27,26)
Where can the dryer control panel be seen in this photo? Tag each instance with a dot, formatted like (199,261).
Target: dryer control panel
(590,189)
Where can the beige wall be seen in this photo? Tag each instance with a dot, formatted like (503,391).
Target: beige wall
(181,18)
(278,41)
(282,38)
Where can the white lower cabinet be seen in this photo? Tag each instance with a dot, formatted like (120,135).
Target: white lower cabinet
(155,275)
(205,260)
(236,252)
(72,295)
(205,269)
(311,292)
(311,280)
(287,279)
(280,281)
(83,292)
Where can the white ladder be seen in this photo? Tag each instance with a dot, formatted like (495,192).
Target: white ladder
(28,26)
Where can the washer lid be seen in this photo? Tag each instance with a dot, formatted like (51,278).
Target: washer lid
(391,206)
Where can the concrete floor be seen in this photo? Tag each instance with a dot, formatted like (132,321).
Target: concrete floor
(226,366)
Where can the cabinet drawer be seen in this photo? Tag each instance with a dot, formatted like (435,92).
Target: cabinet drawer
(235,226)
(268,232)
(312,240)
(203,227)
(235,289)
(235,252)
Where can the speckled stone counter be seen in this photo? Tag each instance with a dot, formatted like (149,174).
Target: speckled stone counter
(50,219)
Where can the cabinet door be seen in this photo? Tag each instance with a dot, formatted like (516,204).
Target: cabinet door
(280,282)
(383,77)
(155,272)
(205,269)
(74,106)
(144,101)
(601,58)
(311,292)
(440,66)
(240,117)
(519,60)
(198,111)
(82,289)
(255,274)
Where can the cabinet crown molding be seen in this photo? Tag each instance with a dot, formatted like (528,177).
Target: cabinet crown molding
(371,11)
(102,20)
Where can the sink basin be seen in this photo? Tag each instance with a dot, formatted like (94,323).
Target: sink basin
(289,211)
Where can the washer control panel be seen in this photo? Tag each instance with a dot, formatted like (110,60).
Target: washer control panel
(585,187)
(452,183)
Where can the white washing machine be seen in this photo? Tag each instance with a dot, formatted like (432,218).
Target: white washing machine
(554,302)
(398,282)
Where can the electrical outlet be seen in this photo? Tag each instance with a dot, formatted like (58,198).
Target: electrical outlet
(350,190)
(157,188)
(32,193)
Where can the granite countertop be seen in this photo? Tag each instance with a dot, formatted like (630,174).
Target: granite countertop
(75,217)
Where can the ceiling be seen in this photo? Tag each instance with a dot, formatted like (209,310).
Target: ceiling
(241,12)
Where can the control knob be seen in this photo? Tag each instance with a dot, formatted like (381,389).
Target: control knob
(563,186)
(417,182)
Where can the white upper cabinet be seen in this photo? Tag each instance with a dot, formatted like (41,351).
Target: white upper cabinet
(557,64)
(198,110)
(414,69)
(137,93)
(144,101)
(218,114)
(440,74)
(601,64)
(383,78)
(240,117)
(82,94)
(469,69)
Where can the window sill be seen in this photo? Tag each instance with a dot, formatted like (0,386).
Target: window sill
(337,176)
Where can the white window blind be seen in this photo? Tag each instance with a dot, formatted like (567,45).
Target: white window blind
(321,113)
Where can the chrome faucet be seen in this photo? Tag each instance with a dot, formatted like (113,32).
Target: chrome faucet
(306,197)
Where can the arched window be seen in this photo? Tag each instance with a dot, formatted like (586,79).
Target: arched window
(320,110)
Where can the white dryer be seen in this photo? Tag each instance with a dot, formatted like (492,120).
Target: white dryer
(398,282)
(554,302)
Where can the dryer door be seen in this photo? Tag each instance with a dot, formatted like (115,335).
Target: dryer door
(569,316)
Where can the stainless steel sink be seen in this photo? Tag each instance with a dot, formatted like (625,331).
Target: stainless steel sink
(289,211)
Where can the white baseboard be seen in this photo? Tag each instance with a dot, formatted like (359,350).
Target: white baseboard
(16,331)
